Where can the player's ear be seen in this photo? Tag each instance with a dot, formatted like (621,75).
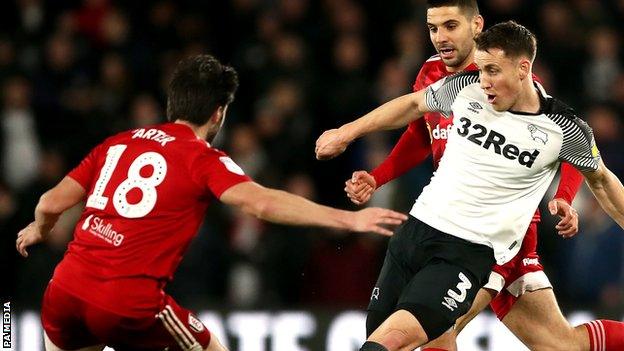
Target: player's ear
(524,68)
(218,116)
(477,24)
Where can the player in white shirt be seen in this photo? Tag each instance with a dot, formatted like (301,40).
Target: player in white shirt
(507,143)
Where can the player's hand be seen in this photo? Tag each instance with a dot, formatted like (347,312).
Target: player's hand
(372,219)
(568,225)
(331,144)
(28,236)
(360,187)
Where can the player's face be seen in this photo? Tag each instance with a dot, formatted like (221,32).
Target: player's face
(452,34)
(500,78)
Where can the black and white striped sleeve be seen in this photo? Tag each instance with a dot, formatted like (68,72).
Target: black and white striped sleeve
(440,95)
(579,147)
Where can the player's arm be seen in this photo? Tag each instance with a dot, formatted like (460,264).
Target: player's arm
(608,190)
(66,194)
(391,115)
(561,204)
(413,147)
(282,207)
(569,184)
(438,97)
(580,150)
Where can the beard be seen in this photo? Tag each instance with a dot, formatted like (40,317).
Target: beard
(456,61)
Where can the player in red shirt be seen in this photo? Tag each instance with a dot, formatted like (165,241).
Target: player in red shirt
(519,292)
(146,194)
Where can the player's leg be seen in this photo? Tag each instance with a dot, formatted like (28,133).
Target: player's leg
(434,298)
(393,277)
(64,326)
(400,331)
(448,340)
(537,321)
(482,300)
(49,345)
(215,345)
(604,335)
(185,331)
(173,328)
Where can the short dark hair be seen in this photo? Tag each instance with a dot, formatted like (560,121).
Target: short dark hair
(468,6)
(514,39)
(200,84)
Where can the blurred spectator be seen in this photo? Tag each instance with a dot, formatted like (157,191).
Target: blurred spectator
(7,58)
(561,48)
(409,38)
(393,81)
(594,259)
(246,150)
(285,252)
(115,86)
(281,119)
(341,272)
(35,272)
(20,142)
(145,111)
(349,95)
(244,283)
(603,67)
(347,17)
(90,19)
(607,127)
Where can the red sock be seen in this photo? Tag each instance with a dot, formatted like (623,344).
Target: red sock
(605,335)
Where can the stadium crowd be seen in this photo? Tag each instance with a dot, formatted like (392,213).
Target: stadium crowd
(73,72)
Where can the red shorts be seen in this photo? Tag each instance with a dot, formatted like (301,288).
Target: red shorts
(523,273)
(73,323)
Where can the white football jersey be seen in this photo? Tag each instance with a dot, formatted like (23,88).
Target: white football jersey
(497,165)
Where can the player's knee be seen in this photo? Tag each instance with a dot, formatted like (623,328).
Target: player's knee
(432,322)
(395,338)
(215,345)
(554,347)
(446,341)
(374,320)
(556,344)
(49,345)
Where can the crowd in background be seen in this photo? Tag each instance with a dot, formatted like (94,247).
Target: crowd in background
(73,72)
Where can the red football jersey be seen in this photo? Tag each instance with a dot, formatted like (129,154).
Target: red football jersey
(148,190)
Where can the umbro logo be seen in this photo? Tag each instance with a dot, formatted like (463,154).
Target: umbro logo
(449,303)
(452,298)
(474,107)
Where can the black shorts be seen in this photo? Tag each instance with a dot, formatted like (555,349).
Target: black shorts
(433,275)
